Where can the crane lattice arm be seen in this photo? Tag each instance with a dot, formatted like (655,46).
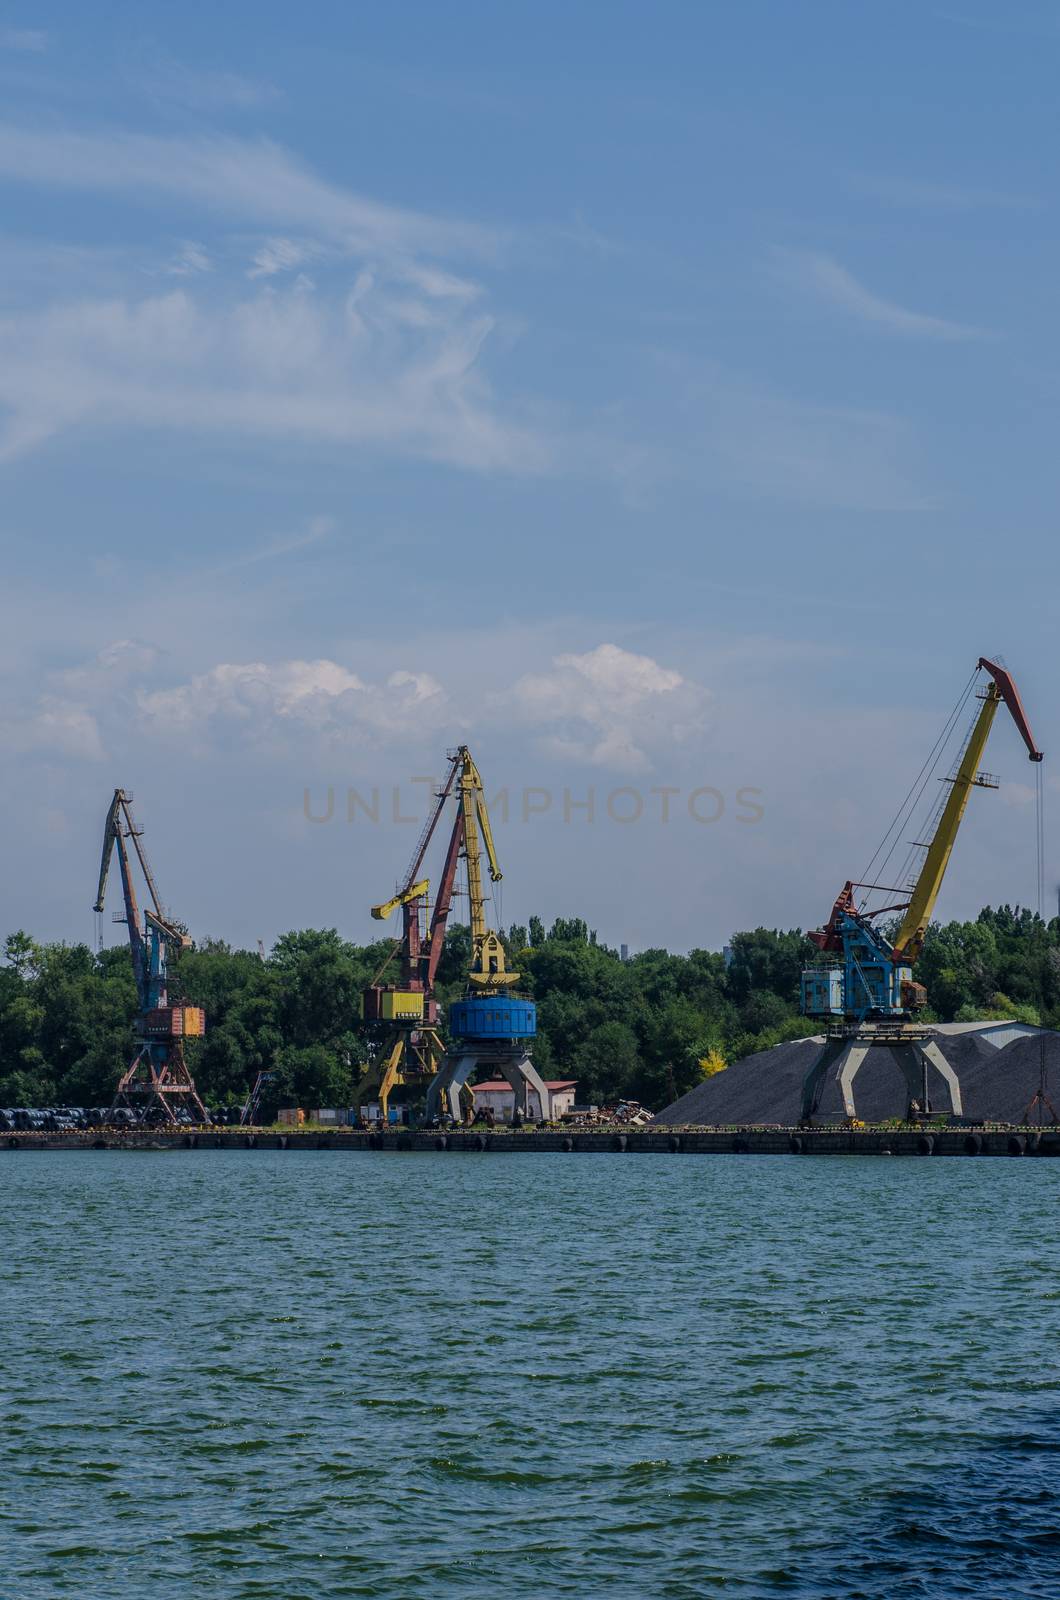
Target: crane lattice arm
(149,973)
(487,970)
(413,889)
(910,939)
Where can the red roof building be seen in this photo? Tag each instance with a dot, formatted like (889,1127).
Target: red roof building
(498,1096)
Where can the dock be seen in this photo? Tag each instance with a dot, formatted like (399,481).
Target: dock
(668,1141)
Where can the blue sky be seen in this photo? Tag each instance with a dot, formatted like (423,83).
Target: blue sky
(657,400)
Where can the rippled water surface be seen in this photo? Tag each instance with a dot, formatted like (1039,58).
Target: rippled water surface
(258,1374)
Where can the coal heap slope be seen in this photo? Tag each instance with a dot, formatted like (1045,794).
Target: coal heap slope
(766,1088)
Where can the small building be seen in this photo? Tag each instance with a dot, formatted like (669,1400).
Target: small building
(498,1096)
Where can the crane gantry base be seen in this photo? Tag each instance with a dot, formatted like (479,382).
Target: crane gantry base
(446,1091)
(841,1057)
(153,1087)
(412,1058)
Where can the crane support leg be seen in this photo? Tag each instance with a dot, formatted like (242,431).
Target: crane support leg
(914,1059)
(814,1081)
(391,1073)
(152,1085)
(946,1073)
(447,1094)
(524,1076)
(378,1082)
(849,1068)
(842,1059)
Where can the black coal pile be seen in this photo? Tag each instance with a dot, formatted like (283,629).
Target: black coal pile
(1001,1087)
(766,1088)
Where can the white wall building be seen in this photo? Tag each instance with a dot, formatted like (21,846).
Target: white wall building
(498,1096)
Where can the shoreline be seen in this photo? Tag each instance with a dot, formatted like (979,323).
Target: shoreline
(994,1141)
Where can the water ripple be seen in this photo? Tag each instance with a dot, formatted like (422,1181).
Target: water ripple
(622,1378)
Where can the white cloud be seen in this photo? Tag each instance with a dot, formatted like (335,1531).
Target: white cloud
(607,707)
(31,40)
(282,364)
(277,255)
(611,708)
(826,278)
(241,180)
(392,363)
(267,702)
(190,259)
(118,664)
(53,728)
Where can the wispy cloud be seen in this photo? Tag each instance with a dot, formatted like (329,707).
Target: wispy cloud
(278,255)
(290,364)
(940,196)
(31,40)
(1003,20)
(203,90)
(190,258)
(774,447)
(825,278)
(387,354)
(242,180)
(319,529)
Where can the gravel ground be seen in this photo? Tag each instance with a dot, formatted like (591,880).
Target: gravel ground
(996,1085)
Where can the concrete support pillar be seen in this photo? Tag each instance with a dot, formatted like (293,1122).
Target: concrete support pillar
(813,1083)
(849,1066)
(524,1076)
(930,1049)
(443,1091)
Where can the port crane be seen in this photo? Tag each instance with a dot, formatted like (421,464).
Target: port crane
(491,1026)
(158,1080)
(863,988)
(402,1016)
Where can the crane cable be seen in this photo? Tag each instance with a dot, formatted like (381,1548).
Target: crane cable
(926,830)
(1042,1097)
(903,816)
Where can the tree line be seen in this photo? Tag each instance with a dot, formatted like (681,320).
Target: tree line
(647,1028)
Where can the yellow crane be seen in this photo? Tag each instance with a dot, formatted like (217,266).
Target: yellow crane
(490,1027)
(488,972)
(868,995)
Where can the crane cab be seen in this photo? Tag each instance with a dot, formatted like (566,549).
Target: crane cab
(868,984)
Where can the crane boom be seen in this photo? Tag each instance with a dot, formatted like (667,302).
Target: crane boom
(910,940)
(488,971)
(415,891)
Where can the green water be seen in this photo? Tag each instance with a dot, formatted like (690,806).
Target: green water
(284,1374)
